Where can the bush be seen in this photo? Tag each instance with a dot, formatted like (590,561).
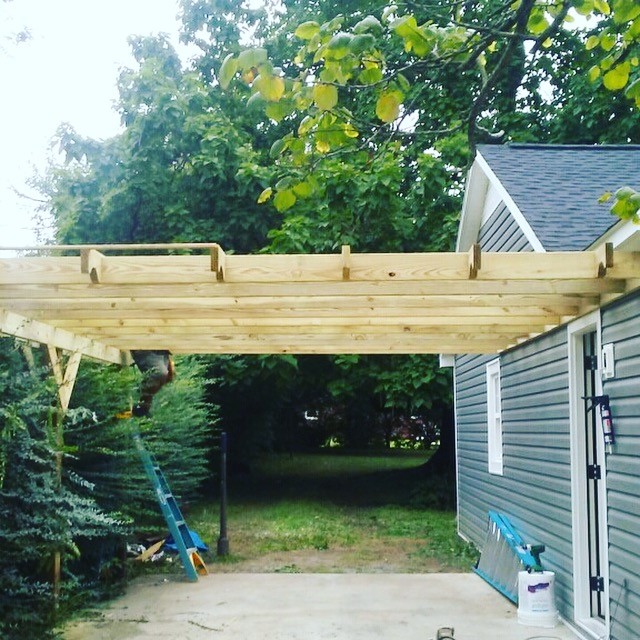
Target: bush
(85,507)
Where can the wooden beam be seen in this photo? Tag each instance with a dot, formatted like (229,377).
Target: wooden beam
(306,268)
(450,326)
(138,324)
(176,309)
(13,324)
(320,344)
(51,294)
(339,289)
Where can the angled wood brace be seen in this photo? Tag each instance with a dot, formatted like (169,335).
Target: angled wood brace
(66,378)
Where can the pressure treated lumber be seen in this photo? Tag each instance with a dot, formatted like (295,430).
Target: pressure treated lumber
(108,299)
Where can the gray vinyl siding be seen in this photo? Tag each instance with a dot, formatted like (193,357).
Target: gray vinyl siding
(501,232)
(535,488)
(621,325)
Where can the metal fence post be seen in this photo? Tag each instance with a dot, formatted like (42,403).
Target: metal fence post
(223,541)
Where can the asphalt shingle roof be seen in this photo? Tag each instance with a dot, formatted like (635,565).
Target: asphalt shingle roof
(556,187)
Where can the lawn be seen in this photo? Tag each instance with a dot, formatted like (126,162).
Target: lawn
(334,512)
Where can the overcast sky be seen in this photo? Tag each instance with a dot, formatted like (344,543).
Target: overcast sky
(66,72)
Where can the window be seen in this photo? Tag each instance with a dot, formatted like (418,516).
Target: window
(494,417)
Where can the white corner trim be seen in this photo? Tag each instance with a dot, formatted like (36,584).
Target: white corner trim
(511,205)
(472,206)
(455,443)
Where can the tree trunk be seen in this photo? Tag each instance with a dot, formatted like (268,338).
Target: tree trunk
(443,461)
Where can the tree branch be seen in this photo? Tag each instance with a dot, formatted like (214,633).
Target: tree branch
(522,17)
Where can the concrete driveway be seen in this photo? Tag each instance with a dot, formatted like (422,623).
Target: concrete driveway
(311,607)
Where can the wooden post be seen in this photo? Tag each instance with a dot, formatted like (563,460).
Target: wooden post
(65,380)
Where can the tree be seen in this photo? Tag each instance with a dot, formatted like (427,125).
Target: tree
(41,511)
(181,170)
(482,43)
(358,129)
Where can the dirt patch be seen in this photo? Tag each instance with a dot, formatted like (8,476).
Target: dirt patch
(377,556)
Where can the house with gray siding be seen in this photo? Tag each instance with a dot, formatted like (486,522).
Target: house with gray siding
(529,437)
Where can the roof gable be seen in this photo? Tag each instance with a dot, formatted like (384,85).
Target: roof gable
(556,187)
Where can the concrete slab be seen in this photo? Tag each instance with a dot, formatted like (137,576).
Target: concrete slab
(312,607)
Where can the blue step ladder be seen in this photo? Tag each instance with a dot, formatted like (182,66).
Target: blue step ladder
(187,549)
(504,555)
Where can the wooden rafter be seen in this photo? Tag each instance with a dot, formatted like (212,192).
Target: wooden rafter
(25,328)
(344,303)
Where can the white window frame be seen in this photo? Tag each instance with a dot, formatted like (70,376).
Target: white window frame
(494,418)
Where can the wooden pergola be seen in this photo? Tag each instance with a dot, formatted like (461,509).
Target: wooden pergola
(103,300)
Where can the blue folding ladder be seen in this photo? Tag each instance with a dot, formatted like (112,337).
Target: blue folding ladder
(187,549)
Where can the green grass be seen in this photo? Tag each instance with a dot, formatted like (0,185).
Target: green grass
(337,512)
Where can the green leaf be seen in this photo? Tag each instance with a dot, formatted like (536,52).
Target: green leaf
(284,199)
(538,22)
(332,25)
(421,40)
(388,105)
(633,92)
(617,78)
(307,30)
(278,147)
(228,69)
(370,24)
(256,100)
(594,73)
(308,122)
(329,73)
(607,41)
(325,96)
(349,130)
(404,26)
(592,42)
(361,43)
(370,76)
(403,83)
(339,46)
(625,11)
(252,58)
(625,209)
(284,183)
(585,7)
(304,189)
(265,195)
(624,193)
(602,6)
(271,88)
(277,111)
